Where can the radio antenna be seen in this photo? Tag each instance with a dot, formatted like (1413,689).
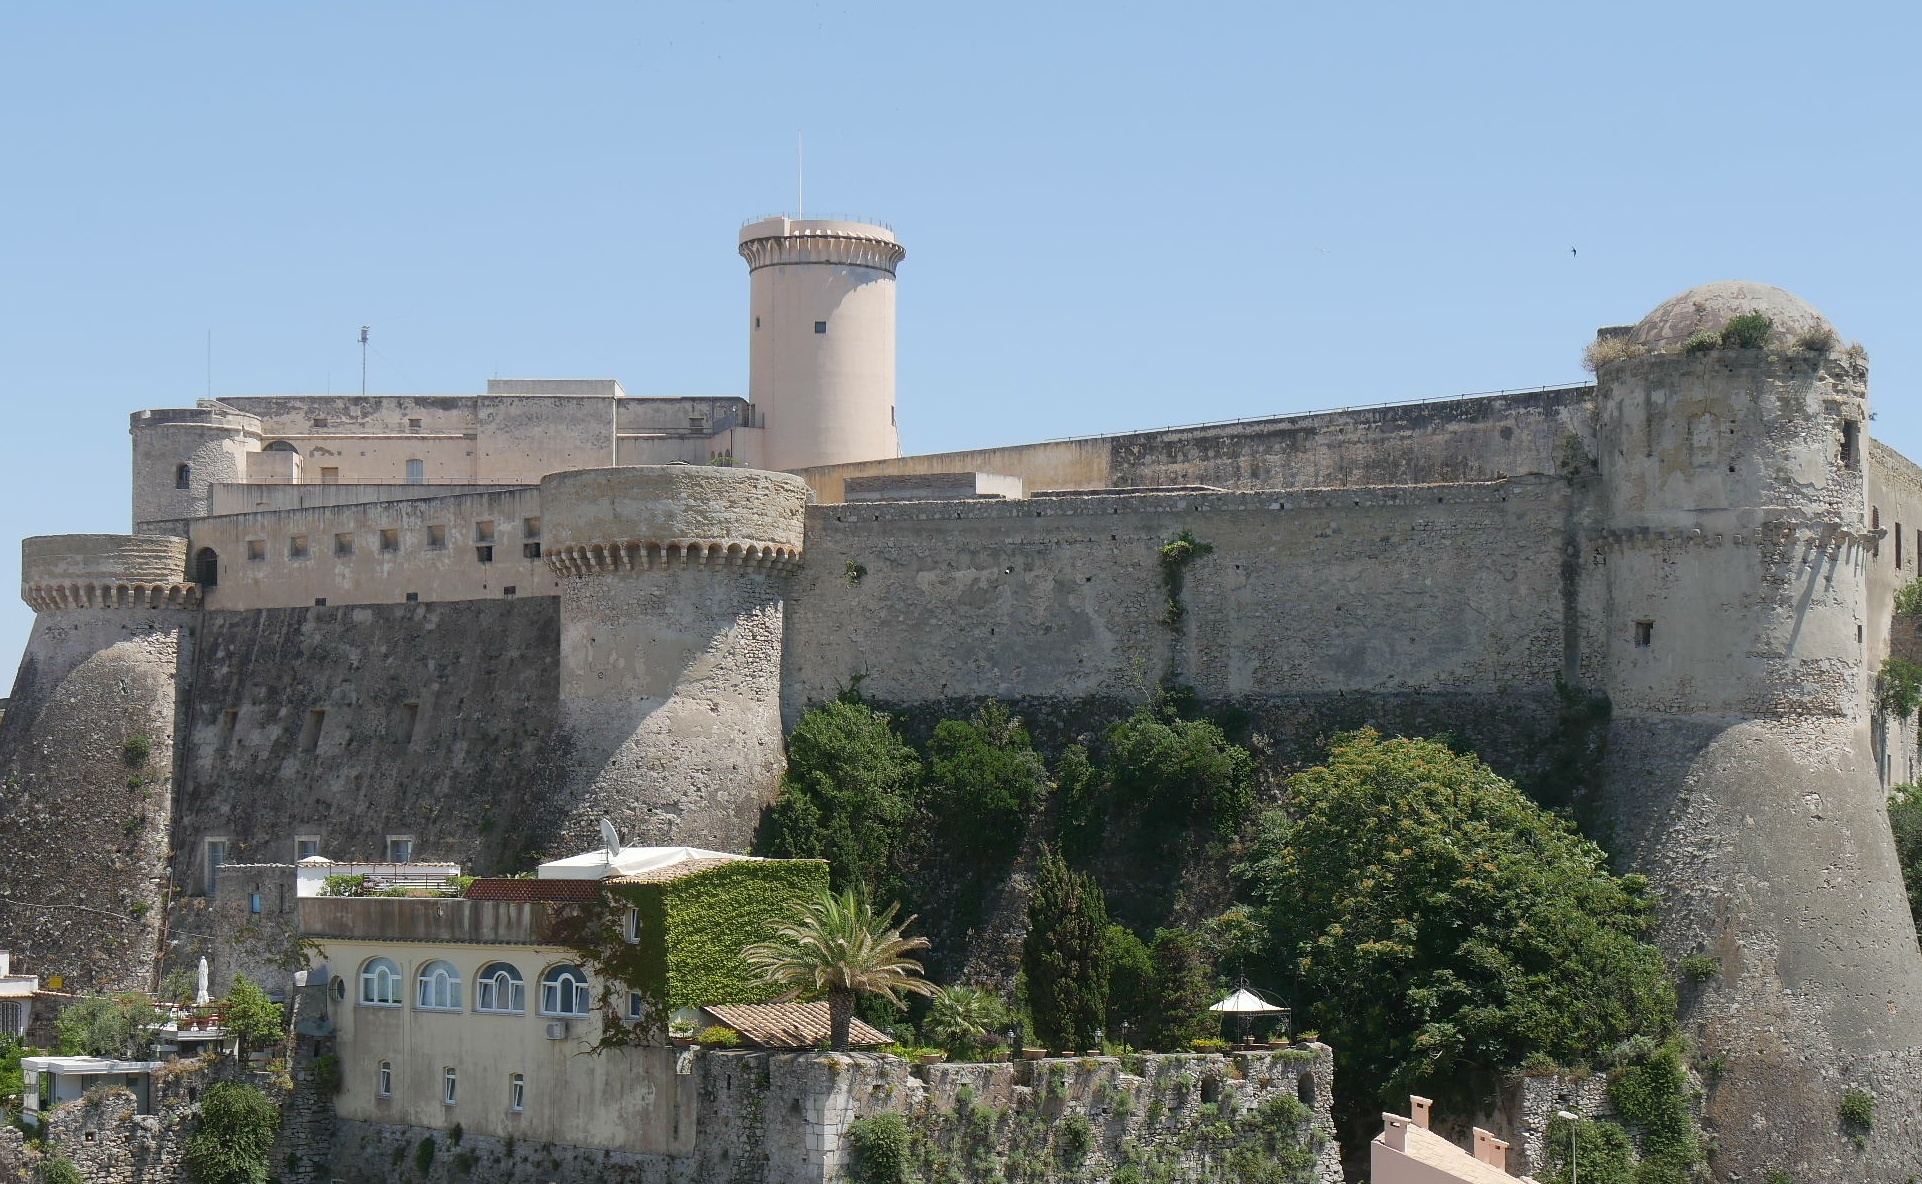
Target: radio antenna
(363,359)
(800,176)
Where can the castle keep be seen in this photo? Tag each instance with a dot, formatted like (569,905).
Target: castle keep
(476,624)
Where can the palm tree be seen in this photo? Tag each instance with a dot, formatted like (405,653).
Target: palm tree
(838,946)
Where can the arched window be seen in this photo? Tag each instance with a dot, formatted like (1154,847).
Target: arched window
(380,983)
(499,988)
(564,991)
(183,476)
(439,987)
(207,568)
(280,446)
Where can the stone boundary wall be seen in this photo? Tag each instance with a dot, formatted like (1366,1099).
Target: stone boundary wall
(783,1118)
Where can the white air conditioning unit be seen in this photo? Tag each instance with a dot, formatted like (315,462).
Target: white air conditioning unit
(557,1029)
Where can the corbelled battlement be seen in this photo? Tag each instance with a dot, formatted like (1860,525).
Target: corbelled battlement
(773,241)
(73,571)
(644,517)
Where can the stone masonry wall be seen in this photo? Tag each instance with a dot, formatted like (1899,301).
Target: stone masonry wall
(783,1118)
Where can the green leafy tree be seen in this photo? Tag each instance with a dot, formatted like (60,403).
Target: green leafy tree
(1439,926)
(1181,991)
(1175,769)
(984,779)
(178,987)
(837,946)
(13,1082)
(98,1027)
(1082,805)
(849,796)
(1905,819)
(1131,982)
(965,1020)
(233,1136)
(256,1019)
(1065,955)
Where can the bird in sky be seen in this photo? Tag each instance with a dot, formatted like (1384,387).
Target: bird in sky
(1571,252)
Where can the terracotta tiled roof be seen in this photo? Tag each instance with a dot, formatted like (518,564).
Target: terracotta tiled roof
(672,871)
(789,1025)
(569,891)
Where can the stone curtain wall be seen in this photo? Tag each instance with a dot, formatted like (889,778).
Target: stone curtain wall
(467,783)
(782,1118)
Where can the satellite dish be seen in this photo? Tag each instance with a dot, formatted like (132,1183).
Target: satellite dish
(610,839)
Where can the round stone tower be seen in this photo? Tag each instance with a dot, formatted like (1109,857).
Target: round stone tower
(673,581)
(1731,550)
(178,455)
(821,340)
(86,754)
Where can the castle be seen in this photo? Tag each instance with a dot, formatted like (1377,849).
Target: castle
(468,627)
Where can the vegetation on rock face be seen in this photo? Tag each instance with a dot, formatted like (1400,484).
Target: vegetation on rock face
(1603,350)
(1440,927)
(880,1145)
(1175,558)
(839,948)
(1131,987)
(966,1020)
(1065,956)
(58,1169)
(1905,820)
(117,1027)
(233,1135)
(12,1079)
(1182,989)
(1908,600)
(1749,330)
(984,779)
(1898,687)
(849,796)
(1171,769)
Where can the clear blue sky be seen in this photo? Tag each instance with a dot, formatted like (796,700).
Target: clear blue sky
(1117,216)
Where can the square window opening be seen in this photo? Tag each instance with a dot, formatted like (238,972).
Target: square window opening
(413,598)
(344,543)
(297,547)
(389,539)
(820,326)
(508,589)
(400,848)
(320,602)
(436,538)
(484,554)
(1644,634)
(256,550)
(306,847)
(330,475)
(530,550)
(530,528)
(484,531)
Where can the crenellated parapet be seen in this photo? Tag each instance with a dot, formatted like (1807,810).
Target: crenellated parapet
(105,571)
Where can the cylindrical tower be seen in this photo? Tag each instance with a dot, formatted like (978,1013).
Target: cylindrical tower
(673,581)
(821,340)
(1731,549)
(178,455)
(86,755)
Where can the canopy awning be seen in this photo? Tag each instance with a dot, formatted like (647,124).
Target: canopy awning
(1246,1002)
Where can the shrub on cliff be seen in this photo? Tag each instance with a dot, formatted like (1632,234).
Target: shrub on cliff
(233,1135)
(1905,819)
(849,796)
(256,1019)
(1065,955)
(984,779)
(1440,927)
(1175,770)
(1179,995)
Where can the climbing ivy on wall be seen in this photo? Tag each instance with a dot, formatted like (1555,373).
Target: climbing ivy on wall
(1175,558)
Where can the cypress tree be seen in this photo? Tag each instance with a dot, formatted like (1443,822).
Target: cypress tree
(1065,956)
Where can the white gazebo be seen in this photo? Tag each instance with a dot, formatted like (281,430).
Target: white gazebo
(1245,1005)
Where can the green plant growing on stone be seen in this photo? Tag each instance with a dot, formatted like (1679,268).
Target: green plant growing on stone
(984,781)
(1817,340)
(58,1169)
(256,1019)
(1172,769)
(1905,822)
(1749,330)
(325,1073)
(136,750)
(424,1154)
(1778,1176)
(1444,927)
(853,573)
(837,946)
(233,1136)
(1699,968)
(1603,350)
(1898,687)
(1701,341)
(1175,558)
(1604,1154)
(881,1149)
(965,1020)
(120,1027)
(1065,955)
(1073,1140)
(1650,1093)
(1857,1111)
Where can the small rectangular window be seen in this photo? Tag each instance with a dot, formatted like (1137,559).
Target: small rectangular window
(413,425)
(320,602)
(530,528)
(386,1083)
(389,539)
(631,925)
(417,469)
(636,1006)
(508,589)
(437,538)
(1851,444)
(484,531)
(449,1086)
(820,326)
(216,856)
(409,719)
(1644,634)
(310,735)
(400,848)
(517,1093)
(297,546)
(530,550)
(484,554)
(320,421)
(1898,546)
(344,543)
(256,550)
(306,847)
(253,902)
(697,423)
(413,597)
(229,720)
(329,476)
